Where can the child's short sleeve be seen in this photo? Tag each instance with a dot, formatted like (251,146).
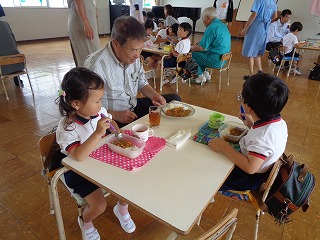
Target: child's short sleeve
(67,140)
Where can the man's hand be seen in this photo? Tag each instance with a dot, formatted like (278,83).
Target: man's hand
(125,116)
(158,100)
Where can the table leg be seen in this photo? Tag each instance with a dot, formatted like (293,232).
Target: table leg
(56,202)
(161,72)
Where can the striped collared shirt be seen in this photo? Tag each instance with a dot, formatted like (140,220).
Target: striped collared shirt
(122,83)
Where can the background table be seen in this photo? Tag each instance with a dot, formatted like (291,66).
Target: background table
(176,185)
(155,49)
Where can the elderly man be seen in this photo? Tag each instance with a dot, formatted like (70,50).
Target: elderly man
(215,42)
(120,67)
(278,29)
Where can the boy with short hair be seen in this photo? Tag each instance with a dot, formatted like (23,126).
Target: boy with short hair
(263,98)
(182,47)
(290,42)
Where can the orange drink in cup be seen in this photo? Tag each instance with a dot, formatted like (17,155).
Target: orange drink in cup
(154,116)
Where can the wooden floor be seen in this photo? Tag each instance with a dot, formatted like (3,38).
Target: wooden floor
(24,207)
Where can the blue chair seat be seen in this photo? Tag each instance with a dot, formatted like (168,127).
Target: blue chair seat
(290,58)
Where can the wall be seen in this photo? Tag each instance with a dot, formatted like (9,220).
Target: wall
(299,9)
(35,23)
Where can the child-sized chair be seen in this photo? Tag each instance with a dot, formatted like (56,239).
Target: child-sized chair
(288,59)
(223,67)
(158,231)
(257,198)
(181,59)
(53,171)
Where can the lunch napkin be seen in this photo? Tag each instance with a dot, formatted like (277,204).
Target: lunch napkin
(178,139)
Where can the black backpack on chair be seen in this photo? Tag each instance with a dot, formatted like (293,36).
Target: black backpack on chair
(290,191)
(315,73)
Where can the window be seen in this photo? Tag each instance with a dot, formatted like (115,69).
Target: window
(146,3)
(34,3)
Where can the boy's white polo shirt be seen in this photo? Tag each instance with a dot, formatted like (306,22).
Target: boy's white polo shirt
(289,41)
(79,131)
(183,46)
(266,140)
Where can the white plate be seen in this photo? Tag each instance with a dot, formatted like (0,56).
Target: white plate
(176,103)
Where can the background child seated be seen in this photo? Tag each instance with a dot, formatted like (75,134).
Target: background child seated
(290,42)
(167,35)
(263,98)
(151,58)
(182,47)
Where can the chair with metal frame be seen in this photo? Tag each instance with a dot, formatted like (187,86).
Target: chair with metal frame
(257,198)
(47,148)
(14,59)
(158,231)
(223,67)
(180,58)
(288,59)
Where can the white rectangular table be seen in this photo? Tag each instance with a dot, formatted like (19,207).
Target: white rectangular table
(175,186)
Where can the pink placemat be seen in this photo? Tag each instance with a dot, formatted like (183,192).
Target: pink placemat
(153,146)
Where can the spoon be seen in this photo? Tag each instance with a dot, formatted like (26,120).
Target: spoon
(118,134)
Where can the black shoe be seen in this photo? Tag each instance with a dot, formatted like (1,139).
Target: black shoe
(245,77)
(16,81)
(260,71)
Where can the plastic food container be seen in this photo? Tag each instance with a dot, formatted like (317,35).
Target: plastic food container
(127,152)
(232,131)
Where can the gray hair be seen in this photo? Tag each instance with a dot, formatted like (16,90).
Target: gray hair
(210,12)
(125,28)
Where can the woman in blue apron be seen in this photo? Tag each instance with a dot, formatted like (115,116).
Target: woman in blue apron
(255,32)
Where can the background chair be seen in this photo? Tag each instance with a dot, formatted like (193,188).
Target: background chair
(149,70)
(180,58)
(158,231)
(225,57)
(257,198)
(288,59)
(49,157)
(13,59)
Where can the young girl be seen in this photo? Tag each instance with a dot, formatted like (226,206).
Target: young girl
(79,131)
(168,35)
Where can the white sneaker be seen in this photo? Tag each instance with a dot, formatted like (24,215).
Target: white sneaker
(201,79)
(165,81)
(207,75)
(91,233)
(174,80)
(128,226)
(297,71)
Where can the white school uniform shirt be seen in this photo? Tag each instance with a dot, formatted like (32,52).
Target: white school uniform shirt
(266,140)
(78,131)
(183,46)
(163,33)
(289,41)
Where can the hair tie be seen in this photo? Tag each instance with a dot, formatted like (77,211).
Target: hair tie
(61,93)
